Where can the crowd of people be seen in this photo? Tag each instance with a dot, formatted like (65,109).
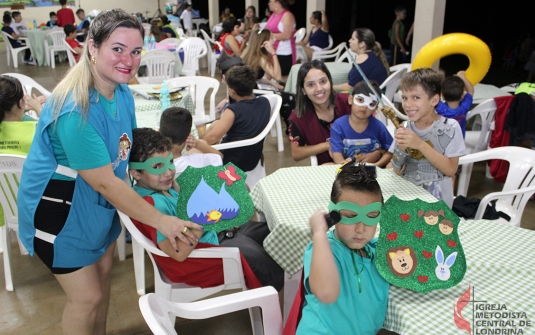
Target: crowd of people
(67,206)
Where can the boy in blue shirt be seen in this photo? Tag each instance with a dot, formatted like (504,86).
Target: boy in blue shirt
(457,103)
(358,135)
(344,293)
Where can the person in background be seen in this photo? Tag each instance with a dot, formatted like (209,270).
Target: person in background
(250,19)
(84,24)
(15,43)
(231,29)
(317,107)
(426,151)
(225,63)
(318,38)
(53,20)
(65,14)
(456,102)
(397,37)
(70,37)
(180,7)
(370,57)
(168,29)
(267,14)
(282,25)
(156,30)
(187,21)
(226,15)
(68,216)
(17,24)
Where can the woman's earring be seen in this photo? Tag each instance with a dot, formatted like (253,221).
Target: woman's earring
(93,59)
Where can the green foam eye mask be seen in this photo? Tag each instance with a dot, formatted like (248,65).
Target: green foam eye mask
(167,164)
(361,212)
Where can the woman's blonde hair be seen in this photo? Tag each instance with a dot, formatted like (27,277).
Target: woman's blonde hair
(79,82)
(254,53)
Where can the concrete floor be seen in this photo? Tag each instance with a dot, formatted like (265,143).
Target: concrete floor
(36,305)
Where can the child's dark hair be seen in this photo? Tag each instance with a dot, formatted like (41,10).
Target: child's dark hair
(147,141)
(175,123)
(6,18)
(362,87)
(52,14)
(357,178)
(69,29)
(10,94)
(453,88)
(429,79)
(62,2)
(241,79)
(228,26)
(80,10)
(15,14)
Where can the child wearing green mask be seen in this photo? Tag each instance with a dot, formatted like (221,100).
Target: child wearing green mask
(344,293)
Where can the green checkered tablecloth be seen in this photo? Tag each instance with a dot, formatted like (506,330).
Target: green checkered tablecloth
(289,196)
(339,72)
(152,104)
(500,271)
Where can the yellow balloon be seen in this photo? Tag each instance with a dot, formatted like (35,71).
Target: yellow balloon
(475,49)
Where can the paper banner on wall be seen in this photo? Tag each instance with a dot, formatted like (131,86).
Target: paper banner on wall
(215,197)
(419,246)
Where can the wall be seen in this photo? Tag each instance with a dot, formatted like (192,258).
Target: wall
(146,7)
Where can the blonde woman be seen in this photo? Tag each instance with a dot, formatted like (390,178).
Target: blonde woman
(72,180)
(260,56)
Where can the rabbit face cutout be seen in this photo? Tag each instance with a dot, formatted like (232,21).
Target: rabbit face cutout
(443,268)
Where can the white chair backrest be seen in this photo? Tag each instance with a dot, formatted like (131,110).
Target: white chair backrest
(93,13)
(171,41)
(207,38)
(6,38)
(486,111)
(300,34)
(57,36)
(275,102)
(398,67)
(70,54)
(347,56)
(28,83)
(199,86)
(194,48)
(331,42)
(389,103)
(334,53)
(160,65)
(392,83)
(145,242)
(10,171)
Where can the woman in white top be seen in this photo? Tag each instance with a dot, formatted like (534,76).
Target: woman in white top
(282,24)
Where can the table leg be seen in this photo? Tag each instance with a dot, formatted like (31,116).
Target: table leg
(291,284)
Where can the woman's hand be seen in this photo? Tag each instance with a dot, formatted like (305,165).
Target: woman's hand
(268,45)
(173,228)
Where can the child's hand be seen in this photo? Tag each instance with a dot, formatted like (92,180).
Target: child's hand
(370,157)
(406,138)
(461,74)
(191,142)
(317,223)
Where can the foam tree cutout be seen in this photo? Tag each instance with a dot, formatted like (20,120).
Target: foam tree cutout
(215,197)
(419,246)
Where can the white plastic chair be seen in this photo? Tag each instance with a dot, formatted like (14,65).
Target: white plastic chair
(28,84)
(391,84)
(10,171)
(176,24)
(277,127)
(180,292)
(156,311)
(212,58)
(194,49)
(259,171)
(13,52)
(347,56)
(160,66)
(57,36)
(199,86)
(398,67)
(511,88)
(478,139)
(70,54)
(331,42)
(518,187)
(334,53)
(300,34)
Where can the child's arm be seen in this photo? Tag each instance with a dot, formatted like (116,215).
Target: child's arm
(385,159)
(406,138)
(324,278)
(398,38)
(305,151)
(218,129)
(183,249)
(324,22)
(370,157)
(202,146)
(336,141)
(468,87)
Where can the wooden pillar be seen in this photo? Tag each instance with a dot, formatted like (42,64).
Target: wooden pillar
(428,24)
(213,12)
(313,5)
